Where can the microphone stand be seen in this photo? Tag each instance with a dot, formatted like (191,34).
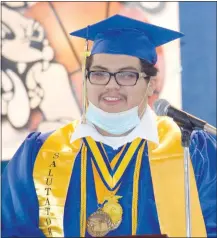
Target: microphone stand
(186,135)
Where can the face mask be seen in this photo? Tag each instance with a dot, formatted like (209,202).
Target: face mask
(114,123)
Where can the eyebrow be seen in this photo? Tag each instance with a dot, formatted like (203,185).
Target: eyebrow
(99,67)
(120,69)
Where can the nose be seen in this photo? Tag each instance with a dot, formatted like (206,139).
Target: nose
(112,83)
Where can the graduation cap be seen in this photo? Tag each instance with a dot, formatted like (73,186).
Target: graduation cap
(126,36)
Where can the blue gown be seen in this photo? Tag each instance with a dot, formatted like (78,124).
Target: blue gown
(20,215)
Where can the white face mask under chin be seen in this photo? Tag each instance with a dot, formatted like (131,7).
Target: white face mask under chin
(114,123)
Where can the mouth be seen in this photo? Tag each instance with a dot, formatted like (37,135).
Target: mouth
(109,100)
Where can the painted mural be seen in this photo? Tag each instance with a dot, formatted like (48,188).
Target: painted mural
(41,63)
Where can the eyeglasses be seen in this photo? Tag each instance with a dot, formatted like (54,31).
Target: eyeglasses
(122,78)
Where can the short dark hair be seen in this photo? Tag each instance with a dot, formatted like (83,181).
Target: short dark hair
(89,61)
(147,68)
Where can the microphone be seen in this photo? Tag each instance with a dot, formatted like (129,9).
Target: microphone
(163,108)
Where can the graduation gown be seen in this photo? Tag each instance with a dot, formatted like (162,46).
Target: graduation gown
(20,200)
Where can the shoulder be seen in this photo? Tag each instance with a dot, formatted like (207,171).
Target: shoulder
(166,124)
(168,131)
(39,138)
(29,149)
(199,138)
(34,140)
(27,152)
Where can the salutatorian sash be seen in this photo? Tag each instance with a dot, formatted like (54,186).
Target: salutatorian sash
(167,171)
(51,174)
(54,166)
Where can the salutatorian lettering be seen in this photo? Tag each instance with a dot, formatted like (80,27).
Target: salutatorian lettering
(48,221)
(53,164)
(49,174)
(49,231)
(49,181)
(56,155)
(48,190)
(47,210)
(47,202)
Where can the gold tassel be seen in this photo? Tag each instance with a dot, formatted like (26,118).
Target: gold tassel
(83,191)
(84,88)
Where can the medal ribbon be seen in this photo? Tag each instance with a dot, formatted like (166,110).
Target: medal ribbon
(103,192)
(117,157)
(136,188)
(110,177)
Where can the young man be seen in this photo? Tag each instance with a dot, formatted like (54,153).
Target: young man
(119,171)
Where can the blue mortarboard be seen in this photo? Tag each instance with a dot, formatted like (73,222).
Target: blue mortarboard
(123,35)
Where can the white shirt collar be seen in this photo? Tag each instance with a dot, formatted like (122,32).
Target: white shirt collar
(147,129)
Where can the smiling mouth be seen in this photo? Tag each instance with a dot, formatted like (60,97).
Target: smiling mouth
(111,100)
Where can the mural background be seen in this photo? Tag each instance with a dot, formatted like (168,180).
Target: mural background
(41,63)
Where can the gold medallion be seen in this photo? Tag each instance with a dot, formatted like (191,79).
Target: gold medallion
(114,210)
(99,224)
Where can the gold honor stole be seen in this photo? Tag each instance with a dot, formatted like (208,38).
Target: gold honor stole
(54,165)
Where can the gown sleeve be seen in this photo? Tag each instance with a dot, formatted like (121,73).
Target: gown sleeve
(203,155)
(20,210)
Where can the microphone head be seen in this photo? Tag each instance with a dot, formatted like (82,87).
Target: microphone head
(161,106)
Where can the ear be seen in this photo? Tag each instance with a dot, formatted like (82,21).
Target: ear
(151,86)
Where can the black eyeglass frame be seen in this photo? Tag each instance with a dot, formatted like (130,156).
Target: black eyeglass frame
(138,75)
